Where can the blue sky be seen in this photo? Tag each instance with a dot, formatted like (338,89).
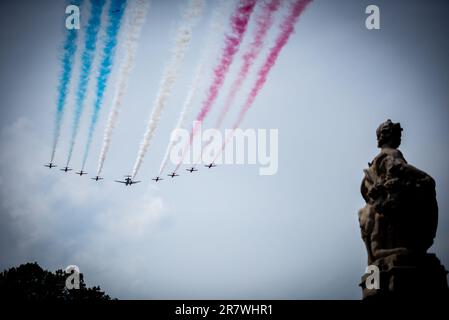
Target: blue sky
(227,232)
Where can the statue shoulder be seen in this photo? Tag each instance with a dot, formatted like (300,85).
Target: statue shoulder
(392,152)
(388,154)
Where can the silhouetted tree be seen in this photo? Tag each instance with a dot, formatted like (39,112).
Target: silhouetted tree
(30,282)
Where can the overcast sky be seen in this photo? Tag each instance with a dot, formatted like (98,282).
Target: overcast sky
(226,232)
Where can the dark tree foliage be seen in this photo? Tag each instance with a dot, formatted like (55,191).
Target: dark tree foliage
(30,282)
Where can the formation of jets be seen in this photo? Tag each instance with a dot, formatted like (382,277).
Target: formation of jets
(127,181)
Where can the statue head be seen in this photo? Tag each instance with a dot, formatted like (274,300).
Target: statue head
(389,135)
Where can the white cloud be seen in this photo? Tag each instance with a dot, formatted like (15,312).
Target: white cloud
(59,218)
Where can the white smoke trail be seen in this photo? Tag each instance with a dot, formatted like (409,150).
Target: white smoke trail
(217,23)
(182,40)
(184,113)
(135,21)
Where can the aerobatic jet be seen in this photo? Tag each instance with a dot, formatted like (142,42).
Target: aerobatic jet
(173,174)
(66,169)
(50,165)
(192,169)
(157,179)
(127,181)
(97,178)
(210,165)
(81,173)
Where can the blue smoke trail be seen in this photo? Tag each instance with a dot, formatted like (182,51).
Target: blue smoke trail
(93,26)
(69,49)
(115,16)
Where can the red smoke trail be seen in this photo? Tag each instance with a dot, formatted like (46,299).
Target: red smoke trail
(263,22)
(287,27)
(239,23)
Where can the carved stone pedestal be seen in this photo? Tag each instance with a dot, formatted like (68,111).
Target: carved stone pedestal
(408,276)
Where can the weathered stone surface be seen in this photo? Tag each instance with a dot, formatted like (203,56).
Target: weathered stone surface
(399,222)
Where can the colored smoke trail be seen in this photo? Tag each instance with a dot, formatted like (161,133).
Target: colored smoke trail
(184,113)
(93,26)
(69,49)
(182,40)
(135,20)
(263,23)
(239,22)
(115,15)
(216,23)
(287,27)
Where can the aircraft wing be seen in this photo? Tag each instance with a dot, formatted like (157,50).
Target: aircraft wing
(119,181)
(132,182)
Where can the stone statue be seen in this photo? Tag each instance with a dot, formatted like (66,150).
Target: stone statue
(399,222)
